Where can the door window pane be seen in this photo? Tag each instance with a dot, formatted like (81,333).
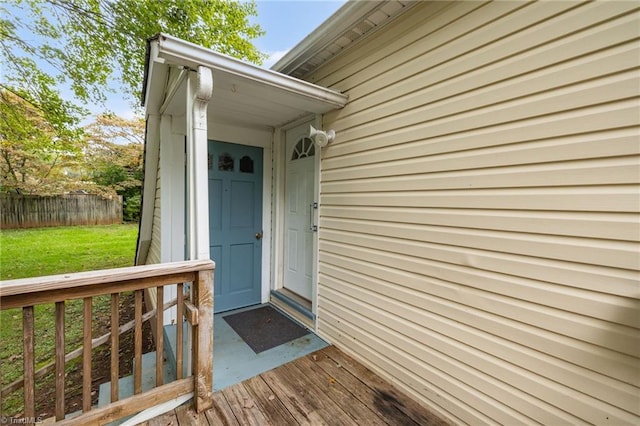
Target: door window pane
(225,163)
(246,164)
(303,149)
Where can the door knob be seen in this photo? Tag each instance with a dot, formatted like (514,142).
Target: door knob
(258,235)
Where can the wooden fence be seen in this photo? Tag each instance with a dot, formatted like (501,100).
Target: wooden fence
(34,211)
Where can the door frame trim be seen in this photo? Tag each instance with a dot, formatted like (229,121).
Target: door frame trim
(279,155)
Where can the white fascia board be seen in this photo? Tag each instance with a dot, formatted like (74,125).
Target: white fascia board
(343,19)
(155,77)
(190,55)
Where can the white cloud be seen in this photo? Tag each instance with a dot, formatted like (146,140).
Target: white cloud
(274,57)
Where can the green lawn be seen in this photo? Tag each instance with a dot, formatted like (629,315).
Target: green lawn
(50,251)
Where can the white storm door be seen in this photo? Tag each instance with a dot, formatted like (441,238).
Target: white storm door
(299,212)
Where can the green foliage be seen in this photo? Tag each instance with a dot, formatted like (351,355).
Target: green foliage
(85,41)
(110,175)
(218,24)
(114,155)
(36,149)
(131,208)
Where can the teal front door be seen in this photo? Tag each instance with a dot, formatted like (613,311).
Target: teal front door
(235,223)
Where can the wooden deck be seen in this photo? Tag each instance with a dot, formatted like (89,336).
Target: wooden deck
(326,387)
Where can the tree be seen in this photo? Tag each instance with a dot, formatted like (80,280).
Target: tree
(35,155)
(113,159)
(86,42)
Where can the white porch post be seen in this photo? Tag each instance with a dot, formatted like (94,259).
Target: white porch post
(200,88)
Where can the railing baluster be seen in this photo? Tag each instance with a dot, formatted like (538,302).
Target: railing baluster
(86,355)
(115,345)
(137,372)
(60,363)
(160,336)
(179,331)
(29,363)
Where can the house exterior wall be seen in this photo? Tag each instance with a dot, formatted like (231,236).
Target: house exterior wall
(156,242)
(168,231)
(479,224)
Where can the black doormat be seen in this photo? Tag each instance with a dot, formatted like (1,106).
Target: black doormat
(264,328)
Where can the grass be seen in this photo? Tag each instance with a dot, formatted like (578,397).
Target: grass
(49,251)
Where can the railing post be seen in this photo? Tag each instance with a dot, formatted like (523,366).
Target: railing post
(203,340)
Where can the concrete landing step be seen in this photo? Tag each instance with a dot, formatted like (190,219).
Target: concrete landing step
(125,384)
(170,345)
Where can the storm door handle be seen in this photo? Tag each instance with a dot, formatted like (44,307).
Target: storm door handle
(312,226)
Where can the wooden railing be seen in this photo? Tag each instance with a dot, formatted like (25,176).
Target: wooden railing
(196,307)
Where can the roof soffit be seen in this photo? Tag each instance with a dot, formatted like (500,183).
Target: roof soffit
(243,93)
(352,22)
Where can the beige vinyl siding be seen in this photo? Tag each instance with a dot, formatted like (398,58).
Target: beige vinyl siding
(479,220)
(154,250)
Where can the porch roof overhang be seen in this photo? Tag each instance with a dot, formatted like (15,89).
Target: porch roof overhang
(243,94)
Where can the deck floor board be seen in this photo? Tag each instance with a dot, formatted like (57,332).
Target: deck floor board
(325,388)
(298,406)
(333,387)
(222,410)
(273,407)
(167,419)
(244,406)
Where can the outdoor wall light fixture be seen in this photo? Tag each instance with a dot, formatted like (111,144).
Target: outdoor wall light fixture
(321,138)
